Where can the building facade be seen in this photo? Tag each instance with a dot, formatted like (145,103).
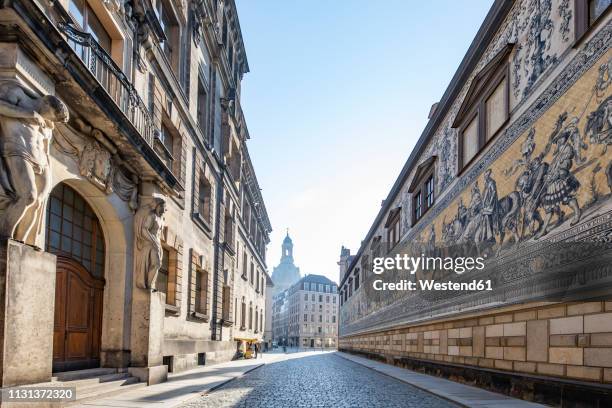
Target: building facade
(136,183)
(514,163)
(306,314)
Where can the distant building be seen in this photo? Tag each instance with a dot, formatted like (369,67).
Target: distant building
(286,273)
(306,314)
(344,262)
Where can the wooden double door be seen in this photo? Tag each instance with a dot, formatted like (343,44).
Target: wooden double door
(78,317)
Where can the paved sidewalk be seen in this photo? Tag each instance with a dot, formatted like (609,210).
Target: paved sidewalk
(462,394)
(183,386)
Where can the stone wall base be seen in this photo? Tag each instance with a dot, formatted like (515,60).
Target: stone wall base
(540,389)
(27,296)
(185,353)
(150,375)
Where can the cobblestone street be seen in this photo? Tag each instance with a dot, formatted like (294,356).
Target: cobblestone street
(316,380)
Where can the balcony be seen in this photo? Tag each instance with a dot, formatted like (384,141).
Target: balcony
(112,79)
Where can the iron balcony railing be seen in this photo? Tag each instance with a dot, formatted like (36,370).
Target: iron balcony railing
(112,79)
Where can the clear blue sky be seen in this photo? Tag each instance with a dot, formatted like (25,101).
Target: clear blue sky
(337,96)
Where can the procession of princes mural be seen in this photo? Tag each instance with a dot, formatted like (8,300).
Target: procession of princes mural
(561,177)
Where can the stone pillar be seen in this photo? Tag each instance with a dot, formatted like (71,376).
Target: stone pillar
(148,312)
(147,335)
(27,299)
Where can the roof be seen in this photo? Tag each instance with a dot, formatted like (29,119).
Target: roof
(316,279)
(487,30)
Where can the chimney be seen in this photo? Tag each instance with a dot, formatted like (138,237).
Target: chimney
(432,110)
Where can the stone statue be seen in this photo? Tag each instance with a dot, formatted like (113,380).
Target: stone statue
(148,253)
(26,123)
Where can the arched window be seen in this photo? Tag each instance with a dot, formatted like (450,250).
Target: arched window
(73,230)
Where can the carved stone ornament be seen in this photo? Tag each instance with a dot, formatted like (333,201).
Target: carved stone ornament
(201,19)
(95,164)
(148,224)
(98,160)
(114,6)
(26,124)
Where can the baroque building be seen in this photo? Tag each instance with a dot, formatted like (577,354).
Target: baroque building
(306,314)
(133,227)
(285,274)
(514,164)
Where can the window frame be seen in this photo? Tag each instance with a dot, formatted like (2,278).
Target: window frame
(86,27)
(204,200)
(201,291)
(484,83)
(421,191)
(479,111)
(171,27)
(203,105)
(582,25)
(392,227)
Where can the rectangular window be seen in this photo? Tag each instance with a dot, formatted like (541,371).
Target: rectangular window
(305,317)
(202,107)
(418,205)
(244,264)
(226,303)
(87,21)
(170,28)
(205,199)
(201,291)
(164,146)
(429,191)
(470,140)
(256,320)
(485,109)
(597,9)
(229,229)
(243,316)
(588,12)
(164,278)
(422,189)
(496,109)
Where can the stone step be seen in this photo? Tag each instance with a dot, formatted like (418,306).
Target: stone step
(96,388)
(95,381)
(99,393)
(82,374)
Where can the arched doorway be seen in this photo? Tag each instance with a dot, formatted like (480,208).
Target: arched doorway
(75,236)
